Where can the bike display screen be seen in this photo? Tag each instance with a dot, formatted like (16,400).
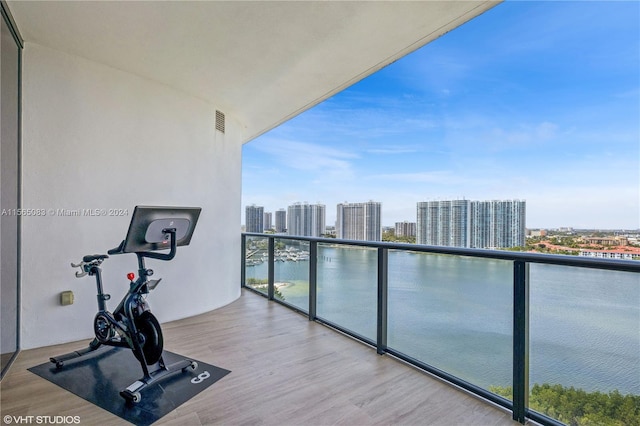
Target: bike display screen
(149,223)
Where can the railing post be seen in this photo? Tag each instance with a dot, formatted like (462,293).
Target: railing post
(271,268)
(383,267)
(520,340)
(243,261)
(313,276)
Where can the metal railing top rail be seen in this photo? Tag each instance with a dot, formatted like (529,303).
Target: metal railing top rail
(549,259)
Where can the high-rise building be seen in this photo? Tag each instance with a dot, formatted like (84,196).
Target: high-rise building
(306,219)
(268,221)
(281,221)
(350,221)
(480,223)
(296,219)
(254,218)
(459,229)
(359,221)
(405,229)
(373,221)
(498,224)
(474,224)
(443,223)
(318,220)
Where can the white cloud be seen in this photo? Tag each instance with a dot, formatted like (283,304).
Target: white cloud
(391,150)
(307,156)
(438,176)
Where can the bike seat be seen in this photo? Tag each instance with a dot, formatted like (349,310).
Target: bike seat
(92,257)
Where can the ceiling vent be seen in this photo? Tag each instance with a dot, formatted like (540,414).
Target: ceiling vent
(219,121)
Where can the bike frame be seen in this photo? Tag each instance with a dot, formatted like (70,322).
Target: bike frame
(132,305)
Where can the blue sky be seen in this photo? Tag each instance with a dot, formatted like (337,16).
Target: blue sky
(537,101)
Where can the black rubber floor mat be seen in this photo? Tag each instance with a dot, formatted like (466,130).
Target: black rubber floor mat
(100,376)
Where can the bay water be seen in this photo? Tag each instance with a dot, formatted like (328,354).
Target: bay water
(455,313)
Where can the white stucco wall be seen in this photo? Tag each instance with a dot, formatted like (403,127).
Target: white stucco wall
(95,137)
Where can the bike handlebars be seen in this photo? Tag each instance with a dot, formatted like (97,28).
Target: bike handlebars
(92,260)
(88,262)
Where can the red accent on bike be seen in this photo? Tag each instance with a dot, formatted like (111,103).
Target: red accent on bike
(131,276)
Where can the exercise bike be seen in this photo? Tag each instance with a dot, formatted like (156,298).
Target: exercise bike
(131,324)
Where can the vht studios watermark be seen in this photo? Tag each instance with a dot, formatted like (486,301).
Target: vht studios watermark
(41,420)
(65,212)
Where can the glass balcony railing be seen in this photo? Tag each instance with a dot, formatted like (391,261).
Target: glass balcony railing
(347,295)
(553,338)
(457,315)
(584,336)
(256,254)
(291,273)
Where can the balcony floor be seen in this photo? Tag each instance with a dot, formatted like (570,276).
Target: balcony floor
(285,371)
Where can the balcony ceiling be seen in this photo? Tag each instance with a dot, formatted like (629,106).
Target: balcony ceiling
(260,62)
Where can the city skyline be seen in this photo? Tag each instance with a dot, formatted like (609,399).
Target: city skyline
(532,100)
(282,215)
(315,215)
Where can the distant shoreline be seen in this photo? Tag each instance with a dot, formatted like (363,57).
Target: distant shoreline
(277,285)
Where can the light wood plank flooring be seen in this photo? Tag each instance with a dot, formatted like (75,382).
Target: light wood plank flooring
(285,371)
